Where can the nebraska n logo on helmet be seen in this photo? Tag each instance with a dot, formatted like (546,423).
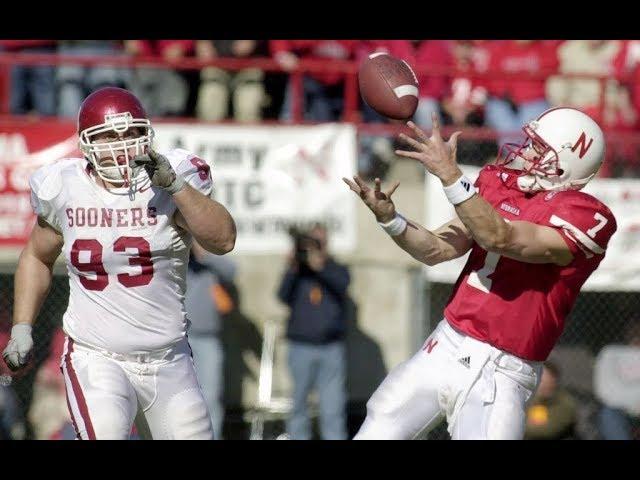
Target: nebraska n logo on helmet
(115,110)
(582,143)
(570,149)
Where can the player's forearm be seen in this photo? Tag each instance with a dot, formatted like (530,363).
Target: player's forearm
(488,228)
(520,240)
(32,282)
(420,243)
(208,221)
(424,245)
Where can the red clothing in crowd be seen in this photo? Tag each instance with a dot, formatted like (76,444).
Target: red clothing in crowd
(16,45)
(158,47)
(627,69)
(511,56)
(628,57)
(318,49)
(470,58)
(635,93)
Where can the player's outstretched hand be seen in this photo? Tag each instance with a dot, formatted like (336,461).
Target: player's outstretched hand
(160,171)
(379,202)
(437,156)
(18,351)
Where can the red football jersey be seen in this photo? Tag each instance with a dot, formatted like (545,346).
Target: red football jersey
(520,307)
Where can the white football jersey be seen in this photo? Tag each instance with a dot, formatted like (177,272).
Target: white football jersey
(125,255)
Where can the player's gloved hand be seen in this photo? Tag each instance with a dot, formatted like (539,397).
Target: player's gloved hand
(18,351)
(160,171)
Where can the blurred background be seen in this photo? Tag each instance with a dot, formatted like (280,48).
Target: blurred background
(280,122)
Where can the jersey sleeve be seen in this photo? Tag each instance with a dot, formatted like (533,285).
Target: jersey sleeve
(46,185)
(586,224)
(193,169)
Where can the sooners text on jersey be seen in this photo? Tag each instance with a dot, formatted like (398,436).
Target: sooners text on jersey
(125,256)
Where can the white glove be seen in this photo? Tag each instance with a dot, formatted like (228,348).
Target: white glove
(160,171)
(18,351)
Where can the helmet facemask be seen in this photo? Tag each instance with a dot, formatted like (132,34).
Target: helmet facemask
(537,162)
(121,151)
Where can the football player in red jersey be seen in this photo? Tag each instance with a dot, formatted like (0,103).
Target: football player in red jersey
(534,239)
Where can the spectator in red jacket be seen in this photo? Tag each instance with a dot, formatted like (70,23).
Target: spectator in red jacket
(627,67)
(464,102)
(163,91)
(323,91)
(436,54)
(33,88)
(517,99)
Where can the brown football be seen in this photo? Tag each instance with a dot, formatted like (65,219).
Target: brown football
(389,86)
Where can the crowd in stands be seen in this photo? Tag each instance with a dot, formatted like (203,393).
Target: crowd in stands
(497,84)
(489,87)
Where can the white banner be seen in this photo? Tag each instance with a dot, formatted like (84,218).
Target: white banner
(620,269)
(271,176)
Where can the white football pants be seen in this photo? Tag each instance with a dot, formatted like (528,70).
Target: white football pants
(480,390)
(107,392)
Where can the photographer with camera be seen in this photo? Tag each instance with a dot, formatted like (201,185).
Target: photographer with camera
(315,288)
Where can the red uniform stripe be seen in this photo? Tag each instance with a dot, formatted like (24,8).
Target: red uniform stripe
(77,391)
(73,420)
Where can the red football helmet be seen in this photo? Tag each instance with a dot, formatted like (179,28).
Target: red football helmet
(114,110)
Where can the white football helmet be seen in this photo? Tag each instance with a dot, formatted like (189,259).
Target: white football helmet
(567,146)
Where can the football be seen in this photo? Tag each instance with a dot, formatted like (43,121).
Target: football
(389,86)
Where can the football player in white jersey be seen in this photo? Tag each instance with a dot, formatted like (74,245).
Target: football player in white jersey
(124,217)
